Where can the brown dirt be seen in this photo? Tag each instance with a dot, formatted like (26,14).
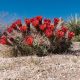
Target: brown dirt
(53,67)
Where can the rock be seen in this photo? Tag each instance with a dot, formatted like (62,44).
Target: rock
(75,46)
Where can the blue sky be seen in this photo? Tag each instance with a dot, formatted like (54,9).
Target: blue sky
(46,8)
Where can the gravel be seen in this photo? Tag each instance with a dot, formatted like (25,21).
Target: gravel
(52,67)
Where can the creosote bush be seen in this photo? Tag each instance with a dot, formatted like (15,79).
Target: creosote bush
(38,36)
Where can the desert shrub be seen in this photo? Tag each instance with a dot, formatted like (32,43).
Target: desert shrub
(38,36)
(74,25)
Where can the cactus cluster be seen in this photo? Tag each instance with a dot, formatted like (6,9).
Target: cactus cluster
(38,36)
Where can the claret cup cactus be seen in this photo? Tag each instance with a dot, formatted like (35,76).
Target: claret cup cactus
(38,36)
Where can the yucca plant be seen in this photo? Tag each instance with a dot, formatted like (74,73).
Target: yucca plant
(74,25)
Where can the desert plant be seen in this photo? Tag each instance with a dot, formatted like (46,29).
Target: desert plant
(38,36)
(60,37)
(74,25)
(20,48)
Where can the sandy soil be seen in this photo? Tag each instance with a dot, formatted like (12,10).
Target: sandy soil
(53,67)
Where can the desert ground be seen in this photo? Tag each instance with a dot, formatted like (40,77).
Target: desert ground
(51,67)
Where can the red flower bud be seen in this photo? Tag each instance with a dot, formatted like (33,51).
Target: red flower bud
(71,35)
(27,21)
(64,29)
(29,40)
(60,34)
(10,29)
(3,40)
(33,19)
(3,37)
(18,22)
(13,26)
(23,28)
(43,27)
(35,23)
(47,21)
(56,21)
(39,18)
(48,33)
(51,27)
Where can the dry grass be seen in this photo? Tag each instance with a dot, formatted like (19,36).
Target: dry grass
(6,51)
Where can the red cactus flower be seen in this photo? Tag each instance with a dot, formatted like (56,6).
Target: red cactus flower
(27,21)
(35,23)
(56,21)
(47,21)
(64,29)
(51,27)
(32,19)
(23,28)
(3,37)
(60,34)
(13,26)
(18,22)
(3,40)
(39,18)
(10,29)
(29,40)
(48,33)
(43,27)
(71,35)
